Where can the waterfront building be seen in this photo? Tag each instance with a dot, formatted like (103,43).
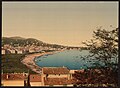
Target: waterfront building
(31,50)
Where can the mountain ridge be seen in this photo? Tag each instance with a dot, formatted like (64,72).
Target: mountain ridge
(25,41)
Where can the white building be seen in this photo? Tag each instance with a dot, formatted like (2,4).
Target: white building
(3,51)
(11,51)
(31,50)
(19,51)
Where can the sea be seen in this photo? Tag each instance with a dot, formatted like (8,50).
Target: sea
(68,58)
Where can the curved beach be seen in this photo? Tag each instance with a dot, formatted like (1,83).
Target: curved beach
(30,63)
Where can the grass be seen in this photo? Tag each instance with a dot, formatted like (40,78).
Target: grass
(12,63)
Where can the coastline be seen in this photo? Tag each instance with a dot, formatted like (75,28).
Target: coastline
(29,60)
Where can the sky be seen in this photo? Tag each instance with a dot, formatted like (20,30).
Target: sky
(65,23)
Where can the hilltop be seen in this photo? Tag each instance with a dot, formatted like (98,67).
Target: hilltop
(20,41)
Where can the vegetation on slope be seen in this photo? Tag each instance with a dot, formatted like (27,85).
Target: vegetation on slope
(12,63)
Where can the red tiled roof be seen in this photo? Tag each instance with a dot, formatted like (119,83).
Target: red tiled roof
(13,76)
(35,78)
(55,70)
(57,81)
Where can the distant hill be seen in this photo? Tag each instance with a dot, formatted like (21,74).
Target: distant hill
(16,37)
(15,41)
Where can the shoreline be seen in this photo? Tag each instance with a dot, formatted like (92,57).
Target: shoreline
(29,60)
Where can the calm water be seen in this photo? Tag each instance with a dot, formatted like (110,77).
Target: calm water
(67,58)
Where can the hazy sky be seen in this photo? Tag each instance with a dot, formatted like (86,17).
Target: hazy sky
(66,23)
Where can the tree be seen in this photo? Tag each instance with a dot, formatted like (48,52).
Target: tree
(104,46)
(93,76)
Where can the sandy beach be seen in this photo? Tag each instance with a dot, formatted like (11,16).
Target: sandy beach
(29,61)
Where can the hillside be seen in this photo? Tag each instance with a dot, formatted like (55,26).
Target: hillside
(19,41)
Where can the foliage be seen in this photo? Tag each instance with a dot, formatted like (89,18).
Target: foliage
(12,63)
(104,46)
(96,76)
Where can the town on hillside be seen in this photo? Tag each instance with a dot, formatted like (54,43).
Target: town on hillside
(30,45)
